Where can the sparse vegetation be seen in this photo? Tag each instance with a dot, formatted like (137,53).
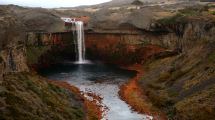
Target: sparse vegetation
(163,77)
(178,18)
(181,16)
(182,86)
(34,53)
(25,96)
(166,78)
(212,12)
(211,57)
(201,103)
(191,11)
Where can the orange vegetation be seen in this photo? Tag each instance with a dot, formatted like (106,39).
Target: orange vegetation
(93,110)
(134,95)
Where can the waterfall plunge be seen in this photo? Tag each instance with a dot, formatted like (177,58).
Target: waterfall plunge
(80,42)
(78,33)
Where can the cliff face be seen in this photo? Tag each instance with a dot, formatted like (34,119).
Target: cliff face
(14,60)
(12,33)
(183,85)
(175,34)
(15,22)
(122,48)
(177,51)
(24,95)
(45,49)
(178,57)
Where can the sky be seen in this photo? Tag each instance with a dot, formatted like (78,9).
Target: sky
(52,3)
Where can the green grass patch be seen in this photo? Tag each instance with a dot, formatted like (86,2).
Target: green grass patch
(211,57)
(181,16)
(56,88)
(212,12)
(178,18)
(34,53)
(190,12)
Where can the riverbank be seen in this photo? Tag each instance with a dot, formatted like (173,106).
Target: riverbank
(29,96)
(92,109)
(133,95)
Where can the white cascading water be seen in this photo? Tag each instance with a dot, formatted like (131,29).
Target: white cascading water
(78,33)
(80,41)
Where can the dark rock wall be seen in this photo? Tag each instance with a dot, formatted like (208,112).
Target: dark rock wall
(45,49)
(15,22)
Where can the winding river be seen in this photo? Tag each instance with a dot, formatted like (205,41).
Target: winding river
(100,79)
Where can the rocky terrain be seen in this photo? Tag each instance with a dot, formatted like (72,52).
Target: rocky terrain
(25,95)
(28,96)
(177,49)
(172,40)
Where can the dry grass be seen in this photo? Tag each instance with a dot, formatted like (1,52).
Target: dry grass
(201,103)
(26,96)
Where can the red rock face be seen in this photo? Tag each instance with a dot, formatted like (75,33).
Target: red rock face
(119,48)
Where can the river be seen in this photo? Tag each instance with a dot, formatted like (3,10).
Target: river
(99,79)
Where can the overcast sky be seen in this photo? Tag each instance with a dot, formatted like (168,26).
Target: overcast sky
(52,3)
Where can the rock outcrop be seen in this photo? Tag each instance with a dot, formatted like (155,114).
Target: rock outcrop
(12,32)
(179,76)
(14,60)
(175,44)
(24,95)
(183,85)
(15,23)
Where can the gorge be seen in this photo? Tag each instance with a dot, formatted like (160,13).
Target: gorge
(120,60)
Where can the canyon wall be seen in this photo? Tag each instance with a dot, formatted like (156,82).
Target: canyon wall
(15,23)
(178,56)
(183,85)
(45,49)
(12,36)
(23,94)
(128,47)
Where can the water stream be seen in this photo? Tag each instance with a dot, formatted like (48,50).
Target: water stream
(80,41)
(78,37)
(102,80)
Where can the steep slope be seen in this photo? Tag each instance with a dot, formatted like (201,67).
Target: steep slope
(183,85)
(24,95)
(177,53)
(176,47)
(27,96)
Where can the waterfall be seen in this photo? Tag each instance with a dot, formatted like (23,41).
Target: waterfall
(78,33)
(80,41)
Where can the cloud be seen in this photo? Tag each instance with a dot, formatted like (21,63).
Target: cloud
(52,3)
